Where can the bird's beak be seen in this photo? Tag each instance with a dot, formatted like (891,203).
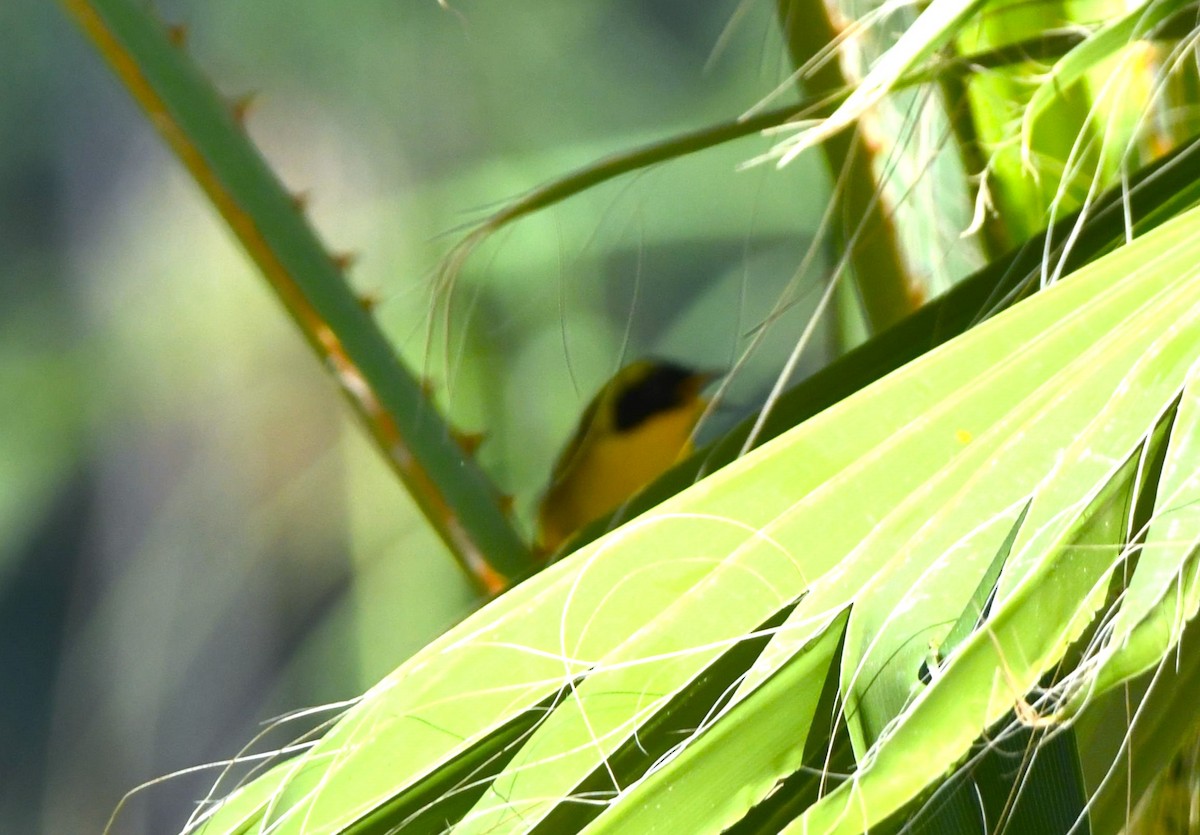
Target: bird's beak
(700,380)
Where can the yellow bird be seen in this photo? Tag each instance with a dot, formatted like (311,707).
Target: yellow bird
(635,428)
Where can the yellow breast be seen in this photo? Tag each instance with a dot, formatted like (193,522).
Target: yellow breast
(607,467)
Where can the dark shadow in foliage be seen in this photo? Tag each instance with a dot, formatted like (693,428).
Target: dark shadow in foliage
(441,799)
(1024,782)
(672,724)
(828,759)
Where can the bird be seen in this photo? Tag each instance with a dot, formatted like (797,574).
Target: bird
(638,425)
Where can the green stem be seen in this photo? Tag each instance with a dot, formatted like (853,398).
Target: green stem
(452,491)
(887,290)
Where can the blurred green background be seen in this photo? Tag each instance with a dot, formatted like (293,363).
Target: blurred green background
(194,537)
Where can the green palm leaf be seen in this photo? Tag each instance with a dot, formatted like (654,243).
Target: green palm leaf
(632,670)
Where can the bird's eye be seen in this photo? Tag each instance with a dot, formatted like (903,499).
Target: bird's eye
(659,391)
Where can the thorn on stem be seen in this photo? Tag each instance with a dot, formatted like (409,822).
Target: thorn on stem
(240,106)
(177,34)
(369,301)
(345,260)
(469,442)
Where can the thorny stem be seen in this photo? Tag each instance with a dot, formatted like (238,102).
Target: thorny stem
(451,490)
